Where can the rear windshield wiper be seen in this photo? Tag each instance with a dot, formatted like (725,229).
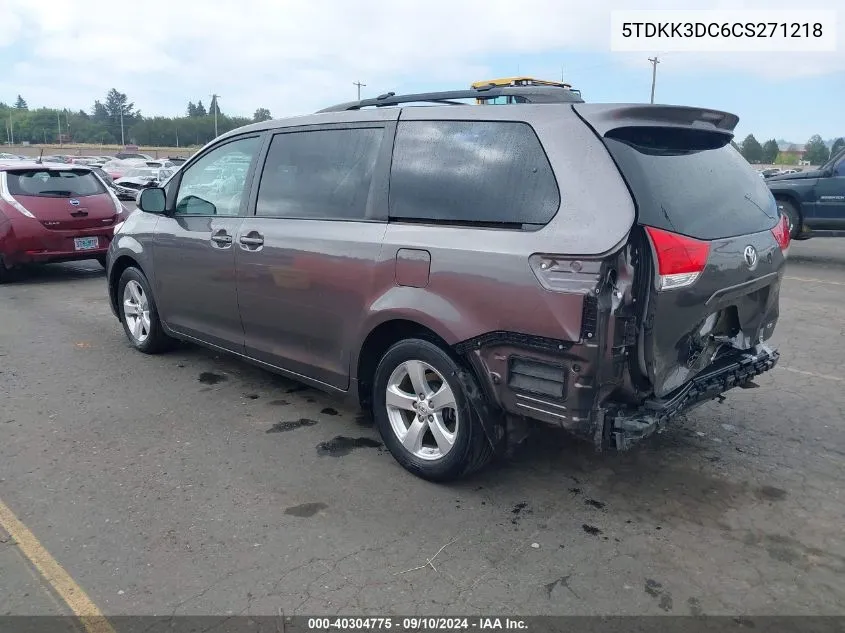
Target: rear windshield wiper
(58,192)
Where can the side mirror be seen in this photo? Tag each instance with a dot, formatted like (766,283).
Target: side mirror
(152,200)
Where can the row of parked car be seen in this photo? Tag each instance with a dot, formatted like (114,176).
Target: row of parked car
(126,173)
(774,171)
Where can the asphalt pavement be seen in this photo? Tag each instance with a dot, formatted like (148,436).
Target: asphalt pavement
(191,483)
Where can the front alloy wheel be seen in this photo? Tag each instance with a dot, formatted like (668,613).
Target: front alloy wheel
(136,311)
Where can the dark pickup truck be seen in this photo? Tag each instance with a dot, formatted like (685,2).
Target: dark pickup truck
(814,201)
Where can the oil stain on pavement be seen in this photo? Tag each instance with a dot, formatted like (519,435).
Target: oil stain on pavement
(210,378)
(290,425)
(305,510)
(341,445)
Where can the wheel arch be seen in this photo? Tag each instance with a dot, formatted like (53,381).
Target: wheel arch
(121,263)
(792,198)
(382,337)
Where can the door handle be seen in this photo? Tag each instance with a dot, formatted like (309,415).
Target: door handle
(221,238)
(251,241)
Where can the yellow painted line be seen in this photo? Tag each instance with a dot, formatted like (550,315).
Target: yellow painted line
(814,374)
(816,281)
(54,574)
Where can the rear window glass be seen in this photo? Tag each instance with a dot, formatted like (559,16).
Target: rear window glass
(471,172)
(53,183)
(692,182)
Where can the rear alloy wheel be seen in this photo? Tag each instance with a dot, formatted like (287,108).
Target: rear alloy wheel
(138,313)
(791,212)
(423,415)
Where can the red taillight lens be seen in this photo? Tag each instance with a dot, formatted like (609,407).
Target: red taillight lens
(680,259)
(781,233)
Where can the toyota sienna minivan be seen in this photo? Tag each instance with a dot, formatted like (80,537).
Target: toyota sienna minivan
(461,270)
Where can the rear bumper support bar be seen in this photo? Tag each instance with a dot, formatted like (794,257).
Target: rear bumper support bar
(631,426)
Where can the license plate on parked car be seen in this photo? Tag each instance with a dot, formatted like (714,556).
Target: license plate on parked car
(85,243)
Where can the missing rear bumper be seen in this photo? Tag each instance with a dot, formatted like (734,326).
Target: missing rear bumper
(629,426)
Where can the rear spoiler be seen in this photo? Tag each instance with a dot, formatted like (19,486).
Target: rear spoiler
(604,118)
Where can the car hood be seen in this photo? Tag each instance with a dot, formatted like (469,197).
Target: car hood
(801,175)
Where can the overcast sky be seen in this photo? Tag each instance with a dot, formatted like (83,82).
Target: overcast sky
(296,56)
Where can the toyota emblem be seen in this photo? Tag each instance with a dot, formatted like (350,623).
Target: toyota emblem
(74,202)
(750,255)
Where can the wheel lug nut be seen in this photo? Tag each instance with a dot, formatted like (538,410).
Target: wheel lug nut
(431,418)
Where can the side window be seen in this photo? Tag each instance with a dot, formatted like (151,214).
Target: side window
(216,183)
(484,172)
(319,174)
(839,170)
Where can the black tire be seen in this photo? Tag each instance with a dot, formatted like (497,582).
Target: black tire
(471,449)
(156,341)
(793,215)
(101,259)
(5,273)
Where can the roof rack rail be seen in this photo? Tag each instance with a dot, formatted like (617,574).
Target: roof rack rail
(524,94)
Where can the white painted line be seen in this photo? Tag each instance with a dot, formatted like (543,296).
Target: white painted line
(816,281)
(814,374)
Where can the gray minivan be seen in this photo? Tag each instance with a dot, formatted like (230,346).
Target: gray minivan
(460,270)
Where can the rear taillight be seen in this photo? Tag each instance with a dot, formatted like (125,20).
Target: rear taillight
(7,197)
(781,233)
(680,259)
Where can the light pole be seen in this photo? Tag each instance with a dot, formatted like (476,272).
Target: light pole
(215,107)
(359,84)
(122,138)
(654,61)
(11,129)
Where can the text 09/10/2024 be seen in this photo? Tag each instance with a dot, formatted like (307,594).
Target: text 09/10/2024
(416,624)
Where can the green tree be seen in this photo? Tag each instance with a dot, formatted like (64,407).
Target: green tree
(200,110)
(816,151)
(192,109)
(214,107)
(262,114)
(99,112)
(117,102)
(838,146)
(770,151)
(751,149)
(20,104)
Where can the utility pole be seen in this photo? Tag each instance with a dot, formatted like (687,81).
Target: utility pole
(359,84)
(215,106)
(654,61)
(59,123)
(122,137)
(11,129)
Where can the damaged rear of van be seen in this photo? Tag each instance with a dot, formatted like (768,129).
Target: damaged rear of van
(675,250)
